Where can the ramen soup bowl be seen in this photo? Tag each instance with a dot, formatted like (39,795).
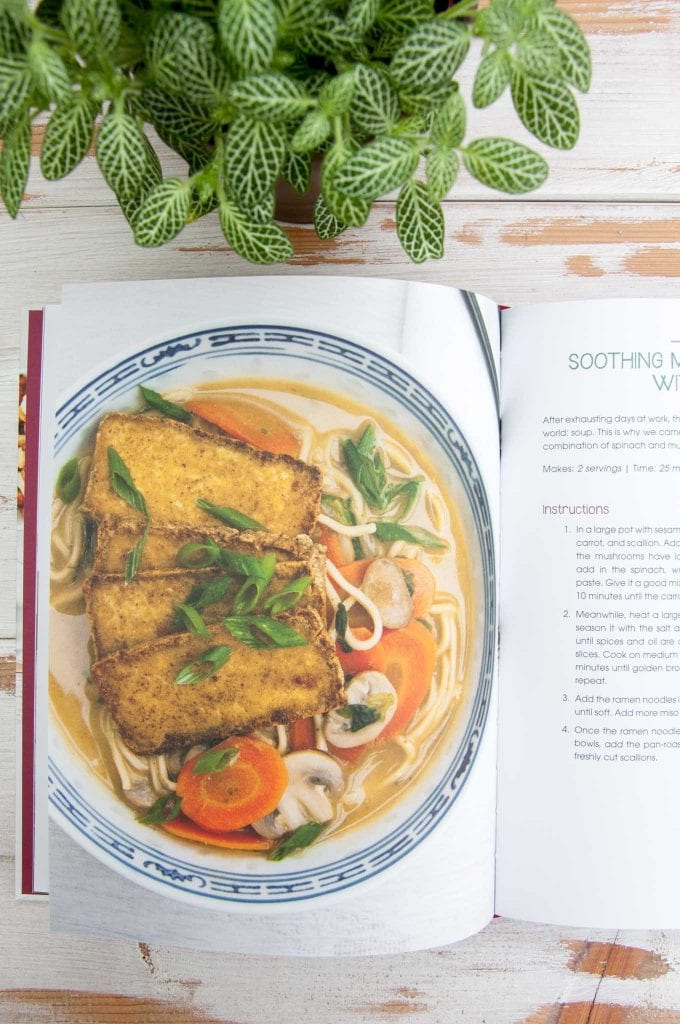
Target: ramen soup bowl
(378,770)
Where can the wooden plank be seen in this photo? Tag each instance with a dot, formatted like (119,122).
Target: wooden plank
(630,119)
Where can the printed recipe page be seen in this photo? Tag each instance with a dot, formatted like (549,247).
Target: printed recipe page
(589,744)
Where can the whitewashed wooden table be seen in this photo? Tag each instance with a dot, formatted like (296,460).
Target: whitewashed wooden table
(606,223)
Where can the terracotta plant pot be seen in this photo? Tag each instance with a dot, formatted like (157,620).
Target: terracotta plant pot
(298,207)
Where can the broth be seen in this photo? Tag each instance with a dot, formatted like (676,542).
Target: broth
(321,421)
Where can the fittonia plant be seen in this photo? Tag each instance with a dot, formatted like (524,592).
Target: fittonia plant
(248,91)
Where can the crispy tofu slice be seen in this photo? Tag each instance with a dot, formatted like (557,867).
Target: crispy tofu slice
(124,615)
(117,535)
(253,689)
(173,465)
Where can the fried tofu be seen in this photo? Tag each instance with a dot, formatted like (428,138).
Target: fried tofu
(124,615)
(253,689)
(173,465)
(116,536)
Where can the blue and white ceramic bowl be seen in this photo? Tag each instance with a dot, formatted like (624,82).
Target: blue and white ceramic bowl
(92,815)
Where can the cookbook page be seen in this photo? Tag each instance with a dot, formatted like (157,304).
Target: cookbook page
(419,901)
(589,735)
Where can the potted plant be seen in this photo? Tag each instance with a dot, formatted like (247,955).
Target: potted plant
(249,92)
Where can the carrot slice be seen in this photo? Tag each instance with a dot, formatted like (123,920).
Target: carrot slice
(361,661)
(248,422)
(421,580)
(246,839)
(410,655)
(407,657)
(301,734)
(338,549)
(248,788)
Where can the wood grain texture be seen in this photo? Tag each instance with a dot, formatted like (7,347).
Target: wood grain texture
(605,224)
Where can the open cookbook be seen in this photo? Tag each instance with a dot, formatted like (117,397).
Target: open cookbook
(271,538)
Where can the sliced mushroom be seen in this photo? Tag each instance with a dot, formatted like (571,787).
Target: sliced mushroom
(314,779)
(375,701)
(385,584)
(141,795)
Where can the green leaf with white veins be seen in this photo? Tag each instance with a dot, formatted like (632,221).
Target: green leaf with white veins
(297,170)
(377,168)
(296,15)
(163,213)
(441,170)
(492,78)
(68,136)
(203,76)
(254,152)
(403,15)
(15,34)
(547,109)
(326,223)
(361,14)
(313,131)
(153,175)
(430,54)
(248,32)
(500,23)
(425,100)
(375,107)
(326,36)
(538,55)
(420,223)
(505,165)
(448,123)
(15,161)
(92,25)
(176,115)
(122,152)
(270,97)
(336,95)
(49,71)
(258,243)
(15,82)
(165,40)
(347,210)
(571,45)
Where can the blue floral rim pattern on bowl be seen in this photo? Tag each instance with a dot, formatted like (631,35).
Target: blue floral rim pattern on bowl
(175,874)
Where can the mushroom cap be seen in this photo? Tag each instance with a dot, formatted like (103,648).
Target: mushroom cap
(385,584)
(313,779)
(364,688)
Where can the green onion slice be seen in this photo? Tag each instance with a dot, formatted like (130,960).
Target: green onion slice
(203,665)
(288,597)
(123,484)
(204,594)
(190,619)
(134,557)
(68,482)
(263,633)
(198,556)
(215,760)
(341,623)
(302,837)
(156,401)
(254,586)
(165,809)
(230,516)
(411,534)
